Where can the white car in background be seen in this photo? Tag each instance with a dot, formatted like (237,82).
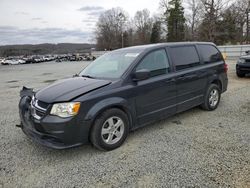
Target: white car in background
(1,61)
(13,62)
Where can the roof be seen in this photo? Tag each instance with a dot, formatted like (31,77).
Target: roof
(152,46)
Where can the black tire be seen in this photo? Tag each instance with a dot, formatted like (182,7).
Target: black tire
(207,103)
(240,74)
(96,136)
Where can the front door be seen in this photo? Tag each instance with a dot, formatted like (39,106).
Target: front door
(156,96)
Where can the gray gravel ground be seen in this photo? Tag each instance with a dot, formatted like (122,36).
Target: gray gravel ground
(192,149)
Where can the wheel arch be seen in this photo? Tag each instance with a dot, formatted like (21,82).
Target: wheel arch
(215,79)
(218,83)
(114,102)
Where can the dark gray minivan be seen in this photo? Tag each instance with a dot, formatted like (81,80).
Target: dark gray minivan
(123,90)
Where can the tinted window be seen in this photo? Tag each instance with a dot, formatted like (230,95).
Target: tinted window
(210,54)
(184,57)
(156,62)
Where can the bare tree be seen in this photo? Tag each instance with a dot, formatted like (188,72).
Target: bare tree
(195,10)
(212,11)
(164,4)
(241,9)
(164,7)
(143,24)
(110,28)
(218,21)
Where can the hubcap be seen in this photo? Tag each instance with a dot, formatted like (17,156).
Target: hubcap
(112,130)
(214,98)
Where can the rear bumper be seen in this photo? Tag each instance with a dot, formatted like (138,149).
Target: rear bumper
(52,131)
(224,82)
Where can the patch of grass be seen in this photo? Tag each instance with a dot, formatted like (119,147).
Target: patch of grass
(46,73)
(12,81)
(49,81)
(14,87)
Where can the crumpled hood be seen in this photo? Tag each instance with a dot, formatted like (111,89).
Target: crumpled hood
(66,90)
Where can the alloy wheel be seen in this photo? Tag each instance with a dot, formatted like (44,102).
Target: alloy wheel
(112,130)
(213,97)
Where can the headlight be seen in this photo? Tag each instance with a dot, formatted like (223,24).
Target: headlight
(65,109)
(241,61)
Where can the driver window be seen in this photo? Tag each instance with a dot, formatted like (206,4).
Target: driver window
(156,62)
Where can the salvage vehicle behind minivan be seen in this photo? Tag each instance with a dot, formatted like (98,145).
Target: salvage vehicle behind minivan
(243,65)
(123,90)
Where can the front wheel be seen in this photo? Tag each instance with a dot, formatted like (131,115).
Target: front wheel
(212,98)
(110,129)
(240,74)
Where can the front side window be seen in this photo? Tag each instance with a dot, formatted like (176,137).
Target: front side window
(156,62)
(184,57)
(210,54)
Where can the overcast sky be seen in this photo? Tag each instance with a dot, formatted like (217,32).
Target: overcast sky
(55,21)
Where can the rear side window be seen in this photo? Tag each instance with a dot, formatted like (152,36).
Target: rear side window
(210,54)
(156,62)
(184,57)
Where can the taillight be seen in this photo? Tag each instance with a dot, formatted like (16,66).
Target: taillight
(225,67)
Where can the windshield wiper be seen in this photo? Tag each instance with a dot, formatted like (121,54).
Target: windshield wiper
(87,76)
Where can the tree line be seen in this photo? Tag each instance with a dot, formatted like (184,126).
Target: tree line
(219,21)
(43,49)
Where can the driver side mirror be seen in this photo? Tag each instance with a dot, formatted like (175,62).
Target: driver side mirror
(142,74)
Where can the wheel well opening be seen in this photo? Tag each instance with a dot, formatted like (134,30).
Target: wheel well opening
(218,83)
(125,111)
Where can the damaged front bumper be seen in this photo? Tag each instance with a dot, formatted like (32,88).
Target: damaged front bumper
(48,130)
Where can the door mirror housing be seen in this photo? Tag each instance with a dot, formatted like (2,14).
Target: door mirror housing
(142,74)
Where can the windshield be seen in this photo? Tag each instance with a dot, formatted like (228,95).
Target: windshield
(110,65)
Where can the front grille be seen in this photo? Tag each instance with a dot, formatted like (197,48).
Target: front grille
(247,60)
(39,113)
(38,108)
(42,104)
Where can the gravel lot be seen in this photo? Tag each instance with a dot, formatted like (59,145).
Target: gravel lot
(192,149)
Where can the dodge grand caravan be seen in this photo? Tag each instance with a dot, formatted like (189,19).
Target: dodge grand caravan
(122,91)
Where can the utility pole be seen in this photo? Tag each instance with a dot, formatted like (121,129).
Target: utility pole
(247,35)
(122,40)
(123,20)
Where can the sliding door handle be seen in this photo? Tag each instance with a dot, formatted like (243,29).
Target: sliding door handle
(170,80)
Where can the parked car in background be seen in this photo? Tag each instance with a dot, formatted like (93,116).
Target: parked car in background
(2,60)
(13,61)
(124,90)
(243,65)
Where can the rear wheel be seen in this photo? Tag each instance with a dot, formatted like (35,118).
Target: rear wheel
(110,129)
(240,74)
(212,98)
